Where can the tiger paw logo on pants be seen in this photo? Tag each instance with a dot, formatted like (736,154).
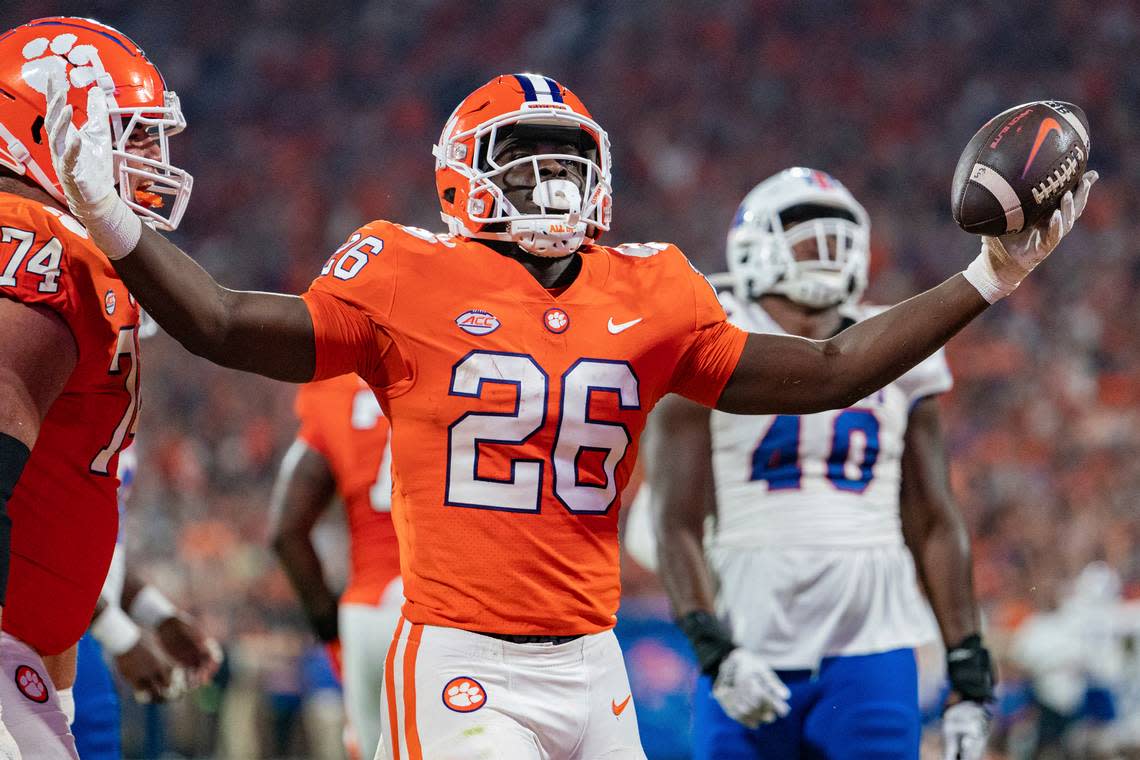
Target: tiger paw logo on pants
(464,694)
(31,684)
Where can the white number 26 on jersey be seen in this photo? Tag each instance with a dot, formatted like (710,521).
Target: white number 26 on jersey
(577,433)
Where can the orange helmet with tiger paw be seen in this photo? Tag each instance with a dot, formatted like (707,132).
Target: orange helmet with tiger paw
(565,214)
(90,54)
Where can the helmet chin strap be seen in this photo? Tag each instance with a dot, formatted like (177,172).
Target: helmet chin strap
(553,236)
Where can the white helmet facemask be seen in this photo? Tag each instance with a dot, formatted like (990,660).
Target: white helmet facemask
(568,215)
(153,188)
(781,215)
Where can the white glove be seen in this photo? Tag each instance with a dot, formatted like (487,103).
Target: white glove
(749,691)
(85,166)
(965,729)
(1005,261)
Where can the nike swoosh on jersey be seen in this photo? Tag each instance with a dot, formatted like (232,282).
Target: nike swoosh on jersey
(1047,126)
(620,708)
(621,327)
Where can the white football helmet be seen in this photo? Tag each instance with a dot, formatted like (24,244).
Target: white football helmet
(785,210)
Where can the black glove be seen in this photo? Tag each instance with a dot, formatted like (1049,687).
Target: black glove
(970,670)
(710,640)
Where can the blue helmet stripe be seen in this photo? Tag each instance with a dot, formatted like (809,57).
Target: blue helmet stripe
(528,87)
(555,90)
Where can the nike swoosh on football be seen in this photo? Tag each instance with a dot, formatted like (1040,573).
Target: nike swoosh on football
(616,328)
(1047,126)
(620,708)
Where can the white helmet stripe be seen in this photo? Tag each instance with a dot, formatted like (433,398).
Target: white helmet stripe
(539,89)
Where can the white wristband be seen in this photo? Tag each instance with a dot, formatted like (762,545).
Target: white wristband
(115,631)
(982,276)
(150,608)
(113,226)
(67,703)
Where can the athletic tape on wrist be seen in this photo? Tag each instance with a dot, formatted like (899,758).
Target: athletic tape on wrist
(981,275)
(150,608)
(115,631)
(113,226)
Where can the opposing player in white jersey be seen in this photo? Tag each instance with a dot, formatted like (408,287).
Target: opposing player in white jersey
(809,652)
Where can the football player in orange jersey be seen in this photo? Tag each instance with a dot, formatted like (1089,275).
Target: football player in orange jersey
(342,448)
(68,352)
(517,359)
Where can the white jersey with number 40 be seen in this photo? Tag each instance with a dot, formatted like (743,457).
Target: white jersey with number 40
(808,545)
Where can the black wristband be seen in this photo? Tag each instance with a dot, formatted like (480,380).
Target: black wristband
(327,627)
(970,670)
(710,640)
(13,456)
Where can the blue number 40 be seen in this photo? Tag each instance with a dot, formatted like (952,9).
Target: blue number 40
(776,459)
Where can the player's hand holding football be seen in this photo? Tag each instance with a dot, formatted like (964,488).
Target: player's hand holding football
(84,164)
(749,691)
(1005,261)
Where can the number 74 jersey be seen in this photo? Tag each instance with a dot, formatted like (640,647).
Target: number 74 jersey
(514,411)
(64,508)
(817,480)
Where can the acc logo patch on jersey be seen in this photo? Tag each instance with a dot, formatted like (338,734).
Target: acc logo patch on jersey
(31,684)
(464,694)
(477,322)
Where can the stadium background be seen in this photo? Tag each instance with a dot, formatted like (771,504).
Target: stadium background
(307,119)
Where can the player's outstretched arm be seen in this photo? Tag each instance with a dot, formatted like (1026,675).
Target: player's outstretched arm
(304,489)
(679,475)
(266,333)
(780,374)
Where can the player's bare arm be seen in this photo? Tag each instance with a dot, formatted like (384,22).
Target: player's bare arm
(267,333)
(790,375)
(933,527)
(937,538)
(304,489)
(679,474)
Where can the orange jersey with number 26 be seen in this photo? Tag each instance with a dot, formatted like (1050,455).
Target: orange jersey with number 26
(515,411)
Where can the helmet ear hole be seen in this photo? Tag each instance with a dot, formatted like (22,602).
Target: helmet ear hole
(38,130)
(448,194)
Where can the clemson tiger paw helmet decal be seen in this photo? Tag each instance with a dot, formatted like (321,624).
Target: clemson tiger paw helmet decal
(559,215)
(89,54)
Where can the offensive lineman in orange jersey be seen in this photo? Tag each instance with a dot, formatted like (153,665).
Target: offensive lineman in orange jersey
(69,375)
(517,360)
(342,447)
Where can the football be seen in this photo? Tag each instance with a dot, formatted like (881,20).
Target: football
(1015,169)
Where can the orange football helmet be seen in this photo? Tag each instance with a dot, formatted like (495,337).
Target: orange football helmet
(90,54)
(474,206)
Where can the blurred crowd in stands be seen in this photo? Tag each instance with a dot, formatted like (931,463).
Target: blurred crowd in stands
(307,119)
